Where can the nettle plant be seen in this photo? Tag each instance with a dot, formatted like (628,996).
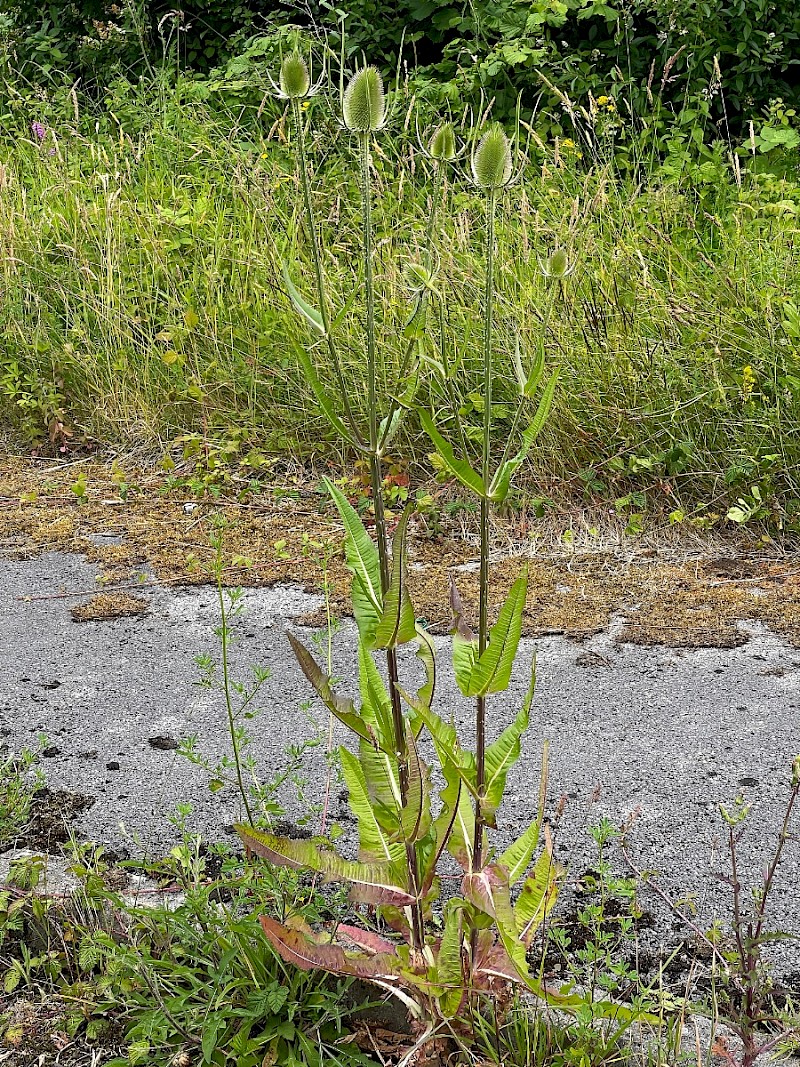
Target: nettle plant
(450,948)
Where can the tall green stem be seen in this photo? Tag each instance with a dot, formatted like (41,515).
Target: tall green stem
(316,254)
(483,610)
(398,723)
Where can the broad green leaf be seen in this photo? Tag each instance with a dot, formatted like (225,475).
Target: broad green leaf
(537,370)
(383,786)
(503,753)
(309,313)
(449,967)
(501,483)
(376,706)
(374,845)
(298,949)
(415,816)
(538,895)
(325,402)
(375,882)
(518,855)
(489,891)
(492,671)
(457,467)
(363,563)
(343,708)
(465,656)
(426,654)
(397,624)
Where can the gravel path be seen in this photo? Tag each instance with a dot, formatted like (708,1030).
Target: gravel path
(669,733)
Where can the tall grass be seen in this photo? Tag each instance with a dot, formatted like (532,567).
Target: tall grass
(143,299)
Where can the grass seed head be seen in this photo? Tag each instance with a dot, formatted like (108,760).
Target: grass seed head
(295,80)
(364,102)
(491,161)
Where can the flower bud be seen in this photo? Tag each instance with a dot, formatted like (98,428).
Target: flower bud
(364,103)
(443,143)
(295,81)
(491,161)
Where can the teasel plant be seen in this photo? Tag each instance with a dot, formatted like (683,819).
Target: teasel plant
(438,970)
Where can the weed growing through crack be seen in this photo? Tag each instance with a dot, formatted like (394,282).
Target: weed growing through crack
(20,777)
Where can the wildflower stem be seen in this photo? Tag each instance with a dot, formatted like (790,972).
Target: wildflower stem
(418,934)
(322,298)
(483,609)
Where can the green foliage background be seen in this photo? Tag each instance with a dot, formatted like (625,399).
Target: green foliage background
(457,49)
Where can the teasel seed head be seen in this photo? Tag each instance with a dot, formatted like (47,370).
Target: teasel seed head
(491,160)
(294,80)
(364,102)
(557,264)
(442,144)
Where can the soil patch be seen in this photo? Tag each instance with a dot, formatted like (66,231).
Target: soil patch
(672,595)
(52,814)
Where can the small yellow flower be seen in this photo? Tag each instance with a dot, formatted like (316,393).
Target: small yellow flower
(748,382)
(602,100)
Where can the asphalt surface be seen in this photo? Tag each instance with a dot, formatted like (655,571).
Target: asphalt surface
(666,733)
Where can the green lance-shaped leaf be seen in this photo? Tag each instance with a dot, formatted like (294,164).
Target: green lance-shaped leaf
(325,402)
(383,785)
(302,952)
(374,844)
(376,707)
(309,313)
(503,753)
(363,563)
(426,654)
(501,483)
(415,816)
(492,671)
(343,708)
(373,883)
(517,857)
(538,896)
(449,972)
(465,643)
(397,623)
(459,468)
(488,890)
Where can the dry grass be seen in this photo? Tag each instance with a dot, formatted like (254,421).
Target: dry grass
(665,594)
(109,606)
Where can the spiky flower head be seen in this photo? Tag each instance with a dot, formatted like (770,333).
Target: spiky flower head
(364,102)
(557,264)
(491,160)
(442,144)
(294,79)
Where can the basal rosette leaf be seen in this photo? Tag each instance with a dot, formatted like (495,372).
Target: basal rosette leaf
(361,555)
(448,971)
(372,883)
(296,948)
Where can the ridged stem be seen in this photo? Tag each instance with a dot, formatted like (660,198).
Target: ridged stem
(398,723)
(316,254)
(483,609)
